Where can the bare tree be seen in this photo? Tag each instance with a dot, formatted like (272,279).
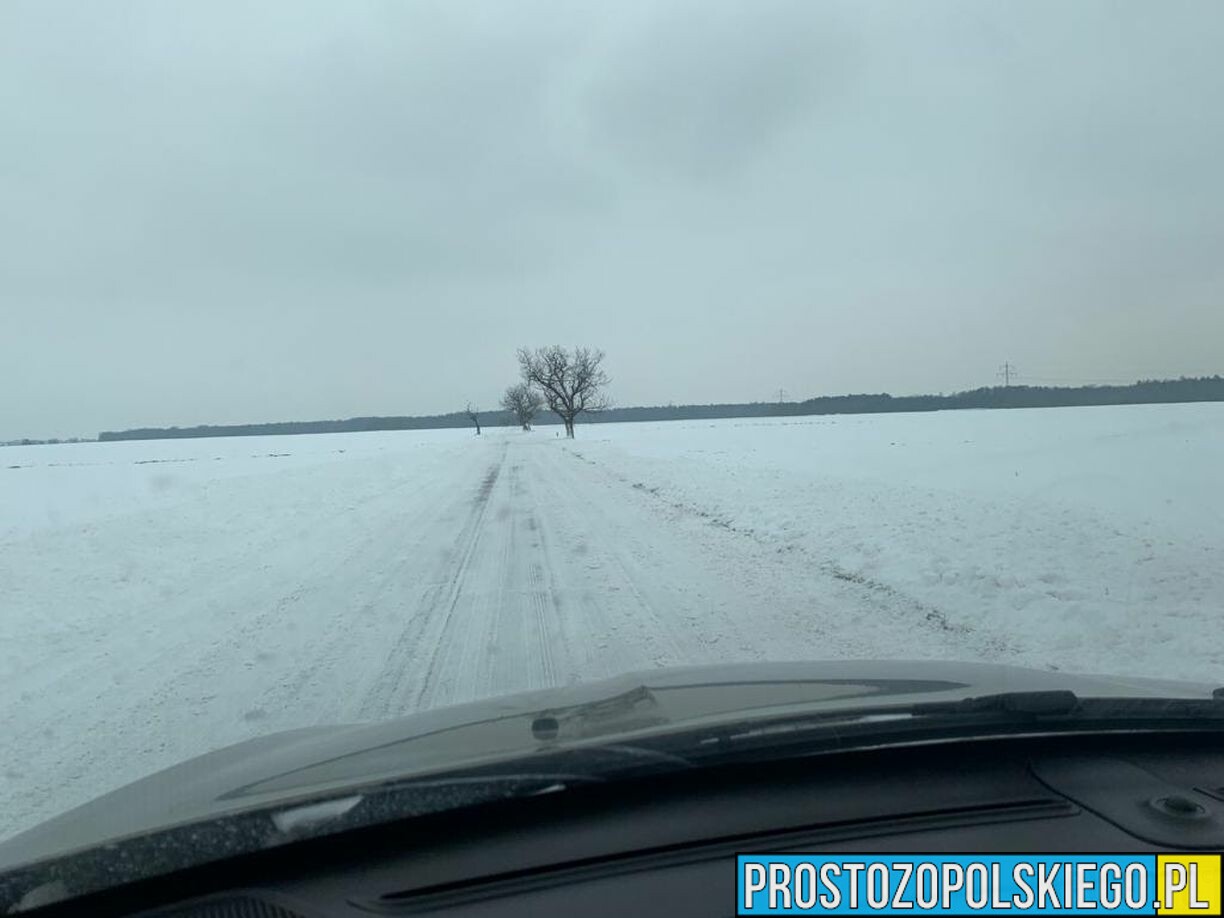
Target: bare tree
(522,401)
(473,416)
(571,381)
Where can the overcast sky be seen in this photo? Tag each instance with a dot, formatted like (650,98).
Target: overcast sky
(221,212)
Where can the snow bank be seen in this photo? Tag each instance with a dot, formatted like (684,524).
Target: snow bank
(1089,539)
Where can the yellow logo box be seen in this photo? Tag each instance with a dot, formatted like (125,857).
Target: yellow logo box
(1188,884)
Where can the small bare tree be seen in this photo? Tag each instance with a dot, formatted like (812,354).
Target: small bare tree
(571,381)
(522,401)
(473,416)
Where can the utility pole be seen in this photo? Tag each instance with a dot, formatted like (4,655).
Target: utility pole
(1007,371)
(781,396)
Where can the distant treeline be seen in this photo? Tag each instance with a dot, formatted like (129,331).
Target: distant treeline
(1200,389)
(28,442)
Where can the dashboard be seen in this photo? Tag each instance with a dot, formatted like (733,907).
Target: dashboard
(667,846)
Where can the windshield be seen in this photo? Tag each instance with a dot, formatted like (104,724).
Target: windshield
(362,359)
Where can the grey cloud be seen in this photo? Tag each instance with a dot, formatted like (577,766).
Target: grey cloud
(215,212)
(703,88)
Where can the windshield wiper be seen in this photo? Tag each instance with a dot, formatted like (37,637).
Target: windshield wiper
(995,715)
(1037,704)
(1061,703)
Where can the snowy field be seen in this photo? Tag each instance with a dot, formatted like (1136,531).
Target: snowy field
(159,599)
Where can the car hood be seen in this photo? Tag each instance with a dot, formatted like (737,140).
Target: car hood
(317,763)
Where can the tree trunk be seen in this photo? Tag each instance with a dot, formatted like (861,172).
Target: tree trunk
(569,428)
(478,428)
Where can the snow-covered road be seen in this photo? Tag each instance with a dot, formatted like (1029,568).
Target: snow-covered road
(368,588)
(163,599)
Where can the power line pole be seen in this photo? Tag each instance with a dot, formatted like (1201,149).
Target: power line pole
(1007,371)
(781,395)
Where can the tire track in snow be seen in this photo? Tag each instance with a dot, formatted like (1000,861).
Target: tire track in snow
(401,686)
(577,635)
(500,637)
(464,665)
(646,594)
(540,605)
